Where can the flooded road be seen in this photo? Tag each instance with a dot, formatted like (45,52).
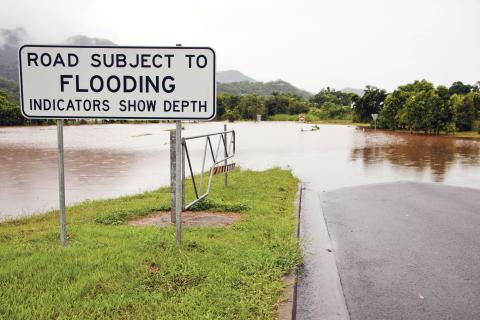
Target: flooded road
(104,161)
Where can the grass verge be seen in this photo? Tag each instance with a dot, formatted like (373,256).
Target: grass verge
(468,134)
(112,270)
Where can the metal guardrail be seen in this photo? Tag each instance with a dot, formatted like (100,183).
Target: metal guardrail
(228,153)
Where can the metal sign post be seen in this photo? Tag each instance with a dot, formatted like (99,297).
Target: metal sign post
(225,153)
(301,119)
(178,182)
(375,116)
(61,183)
(178,179)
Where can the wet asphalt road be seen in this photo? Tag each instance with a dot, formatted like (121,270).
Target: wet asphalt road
(406,250)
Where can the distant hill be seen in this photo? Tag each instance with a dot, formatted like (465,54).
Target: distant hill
(229,81)
(11,87)
(9,71)
(261,88)
(358,92)
(12,39)
(230,76)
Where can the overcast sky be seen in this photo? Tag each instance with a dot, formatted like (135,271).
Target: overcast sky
(312,44)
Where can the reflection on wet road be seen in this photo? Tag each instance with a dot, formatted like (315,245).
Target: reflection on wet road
(110,160)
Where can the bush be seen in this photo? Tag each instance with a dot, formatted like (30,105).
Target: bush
(9,111)
(231,115)
(466,111)
(331,111)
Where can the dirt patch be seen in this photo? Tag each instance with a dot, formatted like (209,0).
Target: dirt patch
(152,267)
(189,218)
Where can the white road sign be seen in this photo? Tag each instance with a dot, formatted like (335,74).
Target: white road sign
(69,82)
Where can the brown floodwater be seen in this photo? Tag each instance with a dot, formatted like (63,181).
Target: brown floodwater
(103,161)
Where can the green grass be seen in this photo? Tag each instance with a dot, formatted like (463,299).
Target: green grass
(283,117)
(111,270)
(467,134)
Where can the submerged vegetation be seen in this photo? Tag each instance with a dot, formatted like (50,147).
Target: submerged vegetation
(112,270)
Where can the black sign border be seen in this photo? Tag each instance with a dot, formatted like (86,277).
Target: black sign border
(118,47)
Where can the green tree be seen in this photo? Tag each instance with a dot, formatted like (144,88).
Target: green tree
(251,105)
(427,111)
(389,114)
(419,110)
(392,116)
(277,103)
(221,106)
(297,106)
(9,110)
(371,102)
(325,95)
(232,115)
(286,103)
(466,110)
(444,114)
(333,96)
(443,93)
(476,87)
(331,110)
(459,88)
(226,102)
(476,100)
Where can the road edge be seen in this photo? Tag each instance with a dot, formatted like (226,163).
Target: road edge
(319,271)
(287,308)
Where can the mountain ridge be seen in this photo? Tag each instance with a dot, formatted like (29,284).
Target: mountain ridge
(228,81)
(262,88)
(229,76)
(357,91)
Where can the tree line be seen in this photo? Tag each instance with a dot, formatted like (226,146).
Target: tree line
(417,106)
(328,104)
